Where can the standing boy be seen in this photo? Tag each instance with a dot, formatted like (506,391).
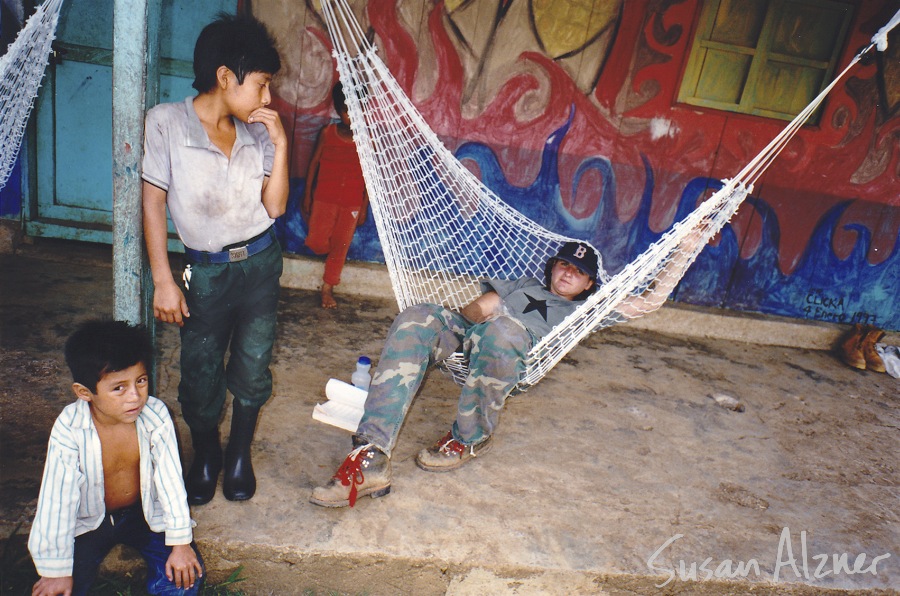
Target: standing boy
(219,162)
(113,475)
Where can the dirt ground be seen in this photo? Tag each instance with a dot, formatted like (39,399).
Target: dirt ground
(633,450)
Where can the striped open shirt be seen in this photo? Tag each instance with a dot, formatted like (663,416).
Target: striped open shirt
(72,498)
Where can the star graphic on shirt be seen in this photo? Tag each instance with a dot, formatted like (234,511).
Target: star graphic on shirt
(535,304)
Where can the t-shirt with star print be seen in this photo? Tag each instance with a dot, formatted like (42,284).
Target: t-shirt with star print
(532,304)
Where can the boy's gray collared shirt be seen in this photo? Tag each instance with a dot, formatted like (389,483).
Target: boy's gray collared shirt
(213,200)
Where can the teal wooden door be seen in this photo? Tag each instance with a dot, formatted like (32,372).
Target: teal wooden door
(69,192)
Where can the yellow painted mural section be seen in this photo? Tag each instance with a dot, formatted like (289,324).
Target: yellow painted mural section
(490,35)
(567,26)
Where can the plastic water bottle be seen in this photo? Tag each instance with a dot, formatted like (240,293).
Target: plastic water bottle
(361,377)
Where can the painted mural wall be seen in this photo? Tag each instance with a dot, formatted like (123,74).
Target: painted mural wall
(567,109)
(497,79)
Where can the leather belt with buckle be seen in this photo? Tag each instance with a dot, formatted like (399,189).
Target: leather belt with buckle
(235,254)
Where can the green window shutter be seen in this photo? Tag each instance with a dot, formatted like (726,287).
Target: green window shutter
(764,57)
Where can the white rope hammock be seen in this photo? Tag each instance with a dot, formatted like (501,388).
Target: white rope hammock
(442,230)
(21,70)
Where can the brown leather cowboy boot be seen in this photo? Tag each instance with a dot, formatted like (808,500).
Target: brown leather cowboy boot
(873,360)
(851,349)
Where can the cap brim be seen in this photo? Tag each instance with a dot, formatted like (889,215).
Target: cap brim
(579,264)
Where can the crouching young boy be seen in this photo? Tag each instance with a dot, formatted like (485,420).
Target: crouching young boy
(113,474)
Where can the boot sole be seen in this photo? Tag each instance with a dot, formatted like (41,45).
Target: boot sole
(857,364)
(239,497)
(455,465)
(372,492)
(202,498)
(243,493)
(197,501)
(205,495)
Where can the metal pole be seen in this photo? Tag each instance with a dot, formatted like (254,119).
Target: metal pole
(135,88)
(129,102)
(151,61)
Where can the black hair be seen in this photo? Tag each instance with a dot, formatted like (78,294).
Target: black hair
(243,44)
(100,347)
(337,96)
(548,270)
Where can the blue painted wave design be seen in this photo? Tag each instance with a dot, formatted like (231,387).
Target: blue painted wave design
(822,287)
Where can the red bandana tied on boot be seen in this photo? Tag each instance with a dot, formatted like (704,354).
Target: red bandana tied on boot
(350,473)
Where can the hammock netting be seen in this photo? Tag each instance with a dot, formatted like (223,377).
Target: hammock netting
(21,70)
(442,229)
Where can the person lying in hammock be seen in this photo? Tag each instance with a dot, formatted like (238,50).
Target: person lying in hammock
(495,331)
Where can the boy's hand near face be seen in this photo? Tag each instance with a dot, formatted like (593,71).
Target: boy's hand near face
(275,186)
(53,586)
(270,118)
(182,567)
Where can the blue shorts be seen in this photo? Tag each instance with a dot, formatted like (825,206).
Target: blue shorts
(127,526)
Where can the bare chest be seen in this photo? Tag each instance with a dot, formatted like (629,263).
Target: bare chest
(121,459)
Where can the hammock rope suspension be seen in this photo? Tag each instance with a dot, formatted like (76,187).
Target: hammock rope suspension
(442,229)
(21,70)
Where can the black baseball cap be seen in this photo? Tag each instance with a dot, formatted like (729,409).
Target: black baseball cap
(582,255)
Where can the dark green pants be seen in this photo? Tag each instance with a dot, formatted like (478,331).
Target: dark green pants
(233,307)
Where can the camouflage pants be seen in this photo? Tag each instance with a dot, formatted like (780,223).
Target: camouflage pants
(425,334)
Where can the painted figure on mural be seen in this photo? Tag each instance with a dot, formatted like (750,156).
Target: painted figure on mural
(335,201)
(113,473)
(219,162)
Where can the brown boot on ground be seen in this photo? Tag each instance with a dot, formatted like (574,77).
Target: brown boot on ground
(366,471)
(851,348)
(449,454)
(873,360)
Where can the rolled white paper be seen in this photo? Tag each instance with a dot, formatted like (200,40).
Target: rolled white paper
(344,408)
(345,393)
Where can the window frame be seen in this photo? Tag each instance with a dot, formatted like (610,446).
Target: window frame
(760,56)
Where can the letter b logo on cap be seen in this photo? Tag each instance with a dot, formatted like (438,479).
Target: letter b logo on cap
(580,251)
